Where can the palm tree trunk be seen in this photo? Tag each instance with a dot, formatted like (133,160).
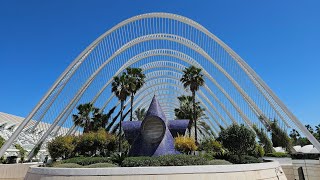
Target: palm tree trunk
(132,96)
(120,125)
(194,116)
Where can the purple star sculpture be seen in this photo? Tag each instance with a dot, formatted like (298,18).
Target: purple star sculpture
(154,135)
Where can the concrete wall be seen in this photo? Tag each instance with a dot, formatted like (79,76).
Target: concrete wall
(14,171)
(271,170)
(311,168)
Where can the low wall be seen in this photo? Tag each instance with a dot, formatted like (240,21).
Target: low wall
(311,168)
(14,171)
(270,170)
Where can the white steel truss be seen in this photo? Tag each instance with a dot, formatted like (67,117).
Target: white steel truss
(162,44)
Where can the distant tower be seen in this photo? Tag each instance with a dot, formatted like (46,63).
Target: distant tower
(154,136)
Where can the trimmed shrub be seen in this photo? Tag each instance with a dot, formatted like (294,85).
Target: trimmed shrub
(61,147)
(100,165)
(167,160)
(185,144)
(238,139)
(218,162)
(84,161)
(277,154)
(244,159)
(68,165)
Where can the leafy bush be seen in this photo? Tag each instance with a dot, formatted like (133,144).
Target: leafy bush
(92,143)
(277,154)
(185,144)
(218,162)
(100,165)
(84,161)
(212,148)
(263,139)
(280,137)
(22,152)
(2,141)
(239,140)
(68,165)
(61,147)
(118,158)
(258,151)
(244,159)
(167,160)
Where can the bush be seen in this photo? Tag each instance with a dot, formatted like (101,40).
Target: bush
(277,154)
(185,144)
(100,165)
(2,141)
(239,140)
(22,152)
(118,158)
(68,165)
(84,161)
(92,143)
(258,151)
(264,139)
(218,162)
(61,147)
(212,148)
(167,160)
(244,159)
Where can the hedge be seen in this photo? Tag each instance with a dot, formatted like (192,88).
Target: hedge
(245,159)
(167,160)
(277,154)
(84,161)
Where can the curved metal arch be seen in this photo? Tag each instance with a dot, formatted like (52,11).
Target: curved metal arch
(201,94)
(197,49)
(185,58)
(255,78)
(140,101)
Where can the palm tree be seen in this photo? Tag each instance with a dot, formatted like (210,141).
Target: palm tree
(120,87)
(84,116)
(310,129)
(295,135)
(140,114)
(185,111)
(318,131)
(137,80)
(193,78)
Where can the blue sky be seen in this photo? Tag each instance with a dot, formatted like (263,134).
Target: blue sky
(280,40)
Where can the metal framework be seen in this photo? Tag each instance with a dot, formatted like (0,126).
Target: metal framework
(162,44)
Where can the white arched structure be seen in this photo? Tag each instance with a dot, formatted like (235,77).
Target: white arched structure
(162,44)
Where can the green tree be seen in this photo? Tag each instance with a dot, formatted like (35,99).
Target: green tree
(136,81)
(280,137)
(61,147)
(185,111)
(120,87)
(84,117)
(140,114)
(238,139)
(193,78)
(2,141)
(294,135)
(22,152)
(263,139)
(310,129)
(318,131)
